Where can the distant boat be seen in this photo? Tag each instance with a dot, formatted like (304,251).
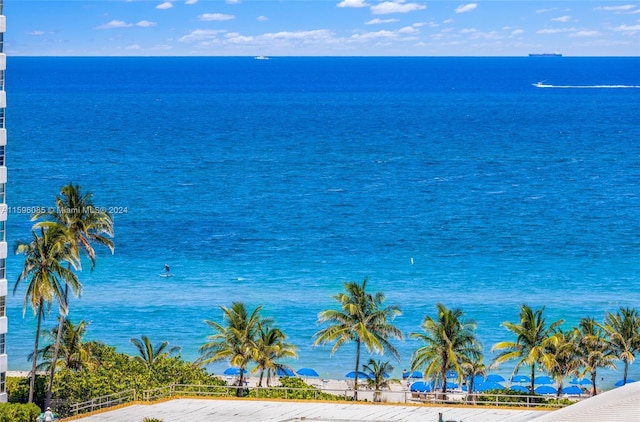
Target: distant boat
(541,84)
(545,55)
(261,58)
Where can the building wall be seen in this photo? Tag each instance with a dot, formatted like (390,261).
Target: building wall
(3,214)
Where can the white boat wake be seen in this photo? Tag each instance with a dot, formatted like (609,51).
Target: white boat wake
(543,85)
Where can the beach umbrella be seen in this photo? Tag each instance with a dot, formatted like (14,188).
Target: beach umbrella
(285,372)
(520,378)
(545,389)
(421,386)
(307,372)
(352,374)
(494,378)
(415,374)
(488,385)
(478,379)
(519,388)
(451,385)
(544,380)
(452,374)
(232,371)
(583,381)
(572,390)
(621,382)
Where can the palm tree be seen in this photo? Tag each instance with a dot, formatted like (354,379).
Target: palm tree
(86,225)
(593,348)
(378,375)
(565,359)
(234,340)
(74,354)
(148,353)
(530,346)
(448,342)
(271,346)
(46,276)
(623,329)
(361,318)
(472,367)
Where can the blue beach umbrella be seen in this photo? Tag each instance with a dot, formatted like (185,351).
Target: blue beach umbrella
(519,388)
(488,385)
(352,374)
(544,380)
(572,390)
(232,371)
(545,389)
(478,379)
(494,378)
(621,383)
(452,374)
(307,372)
(414,374)
(421,386)
(520,378)
(285,372)
(583,381)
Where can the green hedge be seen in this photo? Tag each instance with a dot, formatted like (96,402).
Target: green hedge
(293,388)
(17,412)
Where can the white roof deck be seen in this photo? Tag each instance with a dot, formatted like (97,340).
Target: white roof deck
(235,410)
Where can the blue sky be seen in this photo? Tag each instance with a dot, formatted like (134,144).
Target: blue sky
(321,28)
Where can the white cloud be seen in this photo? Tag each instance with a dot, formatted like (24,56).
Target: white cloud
(447,21)
(35,33)
(262,18)
(463,8)
(585,34)
(565,18)
(374,35)
(191,2)
(165,5)
(352,3)
(517,32)
(215,17)
(555,31)
(313,34)
(631,30)
(623,8)
(388,7)
(409,30)
(146,24)
(233,1)
(546,10)
(378,21)
(114,24)
(134,47)
(201,35)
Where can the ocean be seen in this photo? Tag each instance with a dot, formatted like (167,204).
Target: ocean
(272,182)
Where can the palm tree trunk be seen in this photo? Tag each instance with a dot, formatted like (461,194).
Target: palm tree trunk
(533,378)
(594,391)
(239,391)
(56,349)
(355,380)
(626,370)
(32,382)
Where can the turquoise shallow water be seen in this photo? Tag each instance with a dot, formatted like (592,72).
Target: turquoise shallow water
(273,182)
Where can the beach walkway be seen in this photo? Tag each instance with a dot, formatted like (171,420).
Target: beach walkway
(234,410)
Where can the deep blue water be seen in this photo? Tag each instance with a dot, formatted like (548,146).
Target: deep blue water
(274,182)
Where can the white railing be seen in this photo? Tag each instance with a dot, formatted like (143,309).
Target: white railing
(103,402)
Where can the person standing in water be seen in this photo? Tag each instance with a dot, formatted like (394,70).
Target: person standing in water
(166,268)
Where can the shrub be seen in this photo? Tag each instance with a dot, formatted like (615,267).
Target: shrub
(17,412)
